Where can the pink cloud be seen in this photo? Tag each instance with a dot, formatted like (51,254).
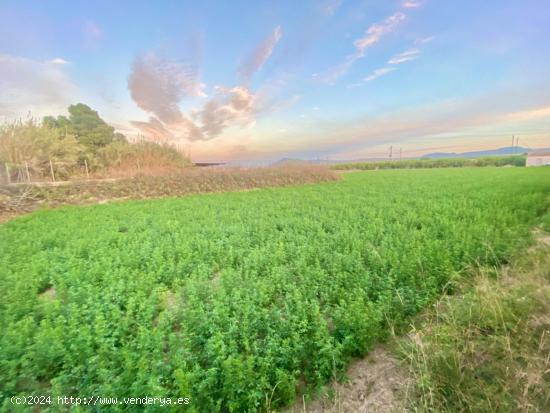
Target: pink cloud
(376,31)
(379,72)
(159,85)
(261,54)
(229,106)
(405,56)
(411,4)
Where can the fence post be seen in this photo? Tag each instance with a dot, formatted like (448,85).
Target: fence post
(51,170)
(87,172)
(8,174)
(27,169)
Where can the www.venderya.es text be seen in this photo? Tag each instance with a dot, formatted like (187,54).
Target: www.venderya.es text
(99,401)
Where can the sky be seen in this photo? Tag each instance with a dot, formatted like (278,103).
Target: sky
(263,80)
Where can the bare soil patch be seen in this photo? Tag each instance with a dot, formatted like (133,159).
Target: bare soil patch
(375,384)
(49,294)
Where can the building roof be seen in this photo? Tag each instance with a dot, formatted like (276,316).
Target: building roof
(539,153)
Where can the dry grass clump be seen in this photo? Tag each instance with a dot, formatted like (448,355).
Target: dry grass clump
(142,158)
(487,349)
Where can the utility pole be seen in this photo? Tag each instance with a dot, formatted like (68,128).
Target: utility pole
(517,142)
(391,152)
(513,140)
(400,153)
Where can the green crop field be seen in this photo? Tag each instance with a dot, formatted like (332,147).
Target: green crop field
(239,300)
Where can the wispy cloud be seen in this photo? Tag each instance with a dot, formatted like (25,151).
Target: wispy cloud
(405,56)
(330,7)
(527,115)
(411,4)
(379,72)
(499,112)
(58,61)
(260,55)
(424,40)
(376,31)
(372,36)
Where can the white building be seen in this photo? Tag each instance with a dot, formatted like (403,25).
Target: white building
(538,158)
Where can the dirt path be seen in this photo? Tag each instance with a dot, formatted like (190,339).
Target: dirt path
(376,384)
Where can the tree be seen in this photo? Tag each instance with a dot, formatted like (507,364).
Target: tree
(89,129)
(62,124)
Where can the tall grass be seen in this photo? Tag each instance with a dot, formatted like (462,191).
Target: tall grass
(486,349)
(141,158)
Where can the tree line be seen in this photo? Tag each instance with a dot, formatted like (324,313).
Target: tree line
(514,160)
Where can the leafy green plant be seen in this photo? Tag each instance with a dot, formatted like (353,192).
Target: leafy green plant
(241,300)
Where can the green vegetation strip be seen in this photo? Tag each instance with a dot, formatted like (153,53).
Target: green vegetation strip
(515,160)
(239,300)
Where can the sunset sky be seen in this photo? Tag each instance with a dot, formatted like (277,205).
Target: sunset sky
(258,80)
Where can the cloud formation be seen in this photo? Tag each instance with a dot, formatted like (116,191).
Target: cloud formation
(411,4)
(229,106)
(58,61)
(30,86)
(153,128)
(159,85)
(260,55)
(405,56)
(372,36)
(378,72)
(376,31)
(424,40)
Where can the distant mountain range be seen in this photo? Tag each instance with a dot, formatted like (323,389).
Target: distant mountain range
(508,150)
